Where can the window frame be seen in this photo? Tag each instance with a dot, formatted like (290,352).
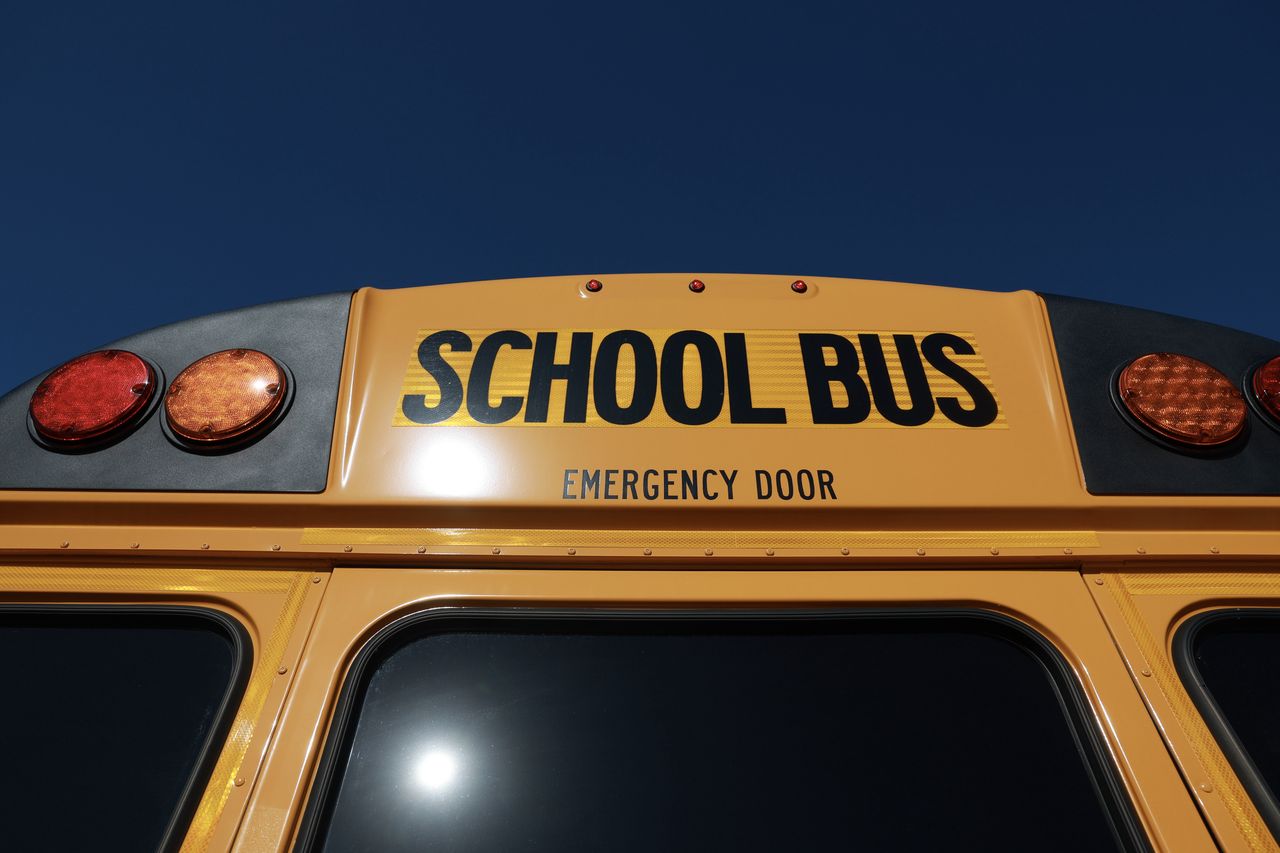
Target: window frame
(224,716)
(1082,724)
(1260,793)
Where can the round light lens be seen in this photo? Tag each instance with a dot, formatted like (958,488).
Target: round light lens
(1266,388)
(1182,399)
(92,398)
(225,397)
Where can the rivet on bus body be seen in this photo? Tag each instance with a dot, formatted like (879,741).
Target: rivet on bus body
(1146,673)
(204,546)
(239,781)
(697,286)
(316,579)
(594,286)
(768,552)
(282,670)
(1214,550)
(135,545)
(422,549)
(346,548)
(1206,787)
(920,551)
(648,551)
(497,551)
(1098,581)
(708,552)
(1068,551)
(1142,550)
(275,547)
(995,552)
(844,551)
(799,286)
(65,544)
(572,551)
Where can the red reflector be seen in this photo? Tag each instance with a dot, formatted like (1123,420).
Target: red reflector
(1266,387)
(92,398)
(227,397)
(1182,399)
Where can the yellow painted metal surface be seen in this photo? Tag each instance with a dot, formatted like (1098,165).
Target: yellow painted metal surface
(460,462)
(1018,473)
(1055,604)
(1145,610)
(459,511)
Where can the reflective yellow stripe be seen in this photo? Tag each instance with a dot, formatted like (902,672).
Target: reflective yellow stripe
(1124,589)
(697,539)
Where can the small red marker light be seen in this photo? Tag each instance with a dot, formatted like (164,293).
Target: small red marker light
(92,399)
(594,286)
(1265,386)
(799,286)
(697,286)
(1182,400)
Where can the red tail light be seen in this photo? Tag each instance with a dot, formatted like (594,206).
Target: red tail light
(1182,400)
(92,399)
(1265,386)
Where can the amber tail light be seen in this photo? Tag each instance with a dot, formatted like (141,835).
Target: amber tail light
(227,399)
(1182,401)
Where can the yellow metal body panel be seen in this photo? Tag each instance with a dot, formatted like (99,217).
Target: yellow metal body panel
(915,481)
(514,467)
(1055,604)
(461,512)
(1145,610)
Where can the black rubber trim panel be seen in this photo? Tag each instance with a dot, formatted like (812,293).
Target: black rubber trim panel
(1093,339)
(1081,720)
(306,334)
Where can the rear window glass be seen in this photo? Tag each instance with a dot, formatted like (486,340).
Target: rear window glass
(106,717)
(1230,662)
(653,732)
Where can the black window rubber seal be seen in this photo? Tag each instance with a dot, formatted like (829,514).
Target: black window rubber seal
(1264,799)
(1081,722)
(241,667)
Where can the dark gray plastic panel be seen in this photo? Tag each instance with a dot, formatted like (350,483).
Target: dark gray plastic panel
(1093,339)
(307,334)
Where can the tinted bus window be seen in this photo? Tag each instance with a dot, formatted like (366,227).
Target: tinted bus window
(105,719)
(1230,661)
(751,734)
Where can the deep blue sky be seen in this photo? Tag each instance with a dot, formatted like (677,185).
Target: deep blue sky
(160,161)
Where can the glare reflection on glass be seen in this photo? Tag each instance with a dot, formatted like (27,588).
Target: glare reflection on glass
(436,770)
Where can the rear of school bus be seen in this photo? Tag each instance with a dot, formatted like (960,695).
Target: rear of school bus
(646,563)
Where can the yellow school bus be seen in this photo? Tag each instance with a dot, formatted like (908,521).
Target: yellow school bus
(646,562)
